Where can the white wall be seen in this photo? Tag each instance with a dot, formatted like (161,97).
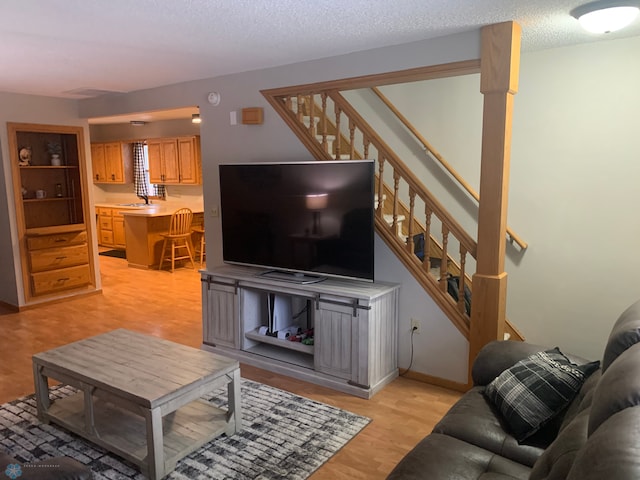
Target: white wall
(574,174)
(574,188)
(25,109)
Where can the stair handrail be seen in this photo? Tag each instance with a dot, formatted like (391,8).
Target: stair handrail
(425,143)
(399,166)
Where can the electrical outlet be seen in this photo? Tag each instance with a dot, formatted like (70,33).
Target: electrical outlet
(415,325)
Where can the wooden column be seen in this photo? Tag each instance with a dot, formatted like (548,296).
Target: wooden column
(499,67)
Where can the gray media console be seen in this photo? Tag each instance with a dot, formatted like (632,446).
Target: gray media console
(253,319)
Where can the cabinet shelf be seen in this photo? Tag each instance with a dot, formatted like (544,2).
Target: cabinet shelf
(288,344)
(48,199)
(47,167)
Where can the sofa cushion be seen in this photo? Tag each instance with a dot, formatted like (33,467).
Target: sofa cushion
(624,334)
(619,388)
(611,452)
(535,390)
(557,459)
(474,420)
(442,457)
(582,401)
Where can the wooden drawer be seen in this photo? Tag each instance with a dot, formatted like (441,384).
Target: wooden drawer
(106,223)
(56,240)
(61,279)
(60,257)
(106,237)
(104,211)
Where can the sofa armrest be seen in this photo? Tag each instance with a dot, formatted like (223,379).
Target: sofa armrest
(497,356)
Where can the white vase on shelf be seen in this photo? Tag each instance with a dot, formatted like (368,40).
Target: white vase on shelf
(56,161)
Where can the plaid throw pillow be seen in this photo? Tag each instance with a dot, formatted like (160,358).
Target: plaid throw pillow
(536,389)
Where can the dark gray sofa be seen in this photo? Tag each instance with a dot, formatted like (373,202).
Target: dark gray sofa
(597,436)
(56,468)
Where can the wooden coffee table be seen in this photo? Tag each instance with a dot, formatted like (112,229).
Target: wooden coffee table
(139,396)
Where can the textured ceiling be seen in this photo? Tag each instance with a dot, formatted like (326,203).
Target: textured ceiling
(58,47)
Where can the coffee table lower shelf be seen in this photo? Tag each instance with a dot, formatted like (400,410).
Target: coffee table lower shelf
(125,433)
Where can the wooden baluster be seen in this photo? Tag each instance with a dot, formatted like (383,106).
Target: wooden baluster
(461,283)
(427,238)
(444,262)
(288,103)
(380,187)
(352,136)
(412,201)
(396,188)
(366,142)
(323,121)
(312,115)
(336,143)
(300,113)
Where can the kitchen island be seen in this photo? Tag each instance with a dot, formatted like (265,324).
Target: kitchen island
(143,227)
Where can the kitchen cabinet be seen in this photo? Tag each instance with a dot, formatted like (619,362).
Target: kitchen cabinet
(110,227)
(175,160)
(52,211)
(112,162)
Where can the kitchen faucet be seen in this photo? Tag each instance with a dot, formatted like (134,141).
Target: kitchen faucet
(145,198)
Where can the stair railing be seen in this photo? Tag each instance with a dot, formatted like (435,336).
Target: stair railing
(318,118)
(513,237)
(340,132)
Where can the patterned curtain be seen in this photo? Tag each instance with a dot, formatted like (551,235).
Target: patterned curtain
(140,179)
(141,185)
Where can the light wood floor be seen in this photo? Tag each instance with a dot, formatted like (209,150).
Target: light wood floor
(169,306)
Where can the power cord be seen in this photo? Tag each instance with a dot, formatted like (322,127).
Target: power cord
(413,330)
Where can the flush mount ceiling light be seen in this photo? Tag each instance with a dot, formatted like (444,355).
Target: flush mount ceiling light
(605,16)
(195,118)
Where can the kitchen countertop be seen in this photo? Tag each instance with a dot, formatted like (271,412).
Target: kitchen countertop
(153,210)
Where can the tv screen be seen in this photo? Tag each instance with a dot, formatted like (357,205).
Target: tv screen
(305,217)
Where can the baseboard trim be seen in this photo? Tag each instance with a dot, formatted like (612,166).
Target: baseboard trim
(437,381)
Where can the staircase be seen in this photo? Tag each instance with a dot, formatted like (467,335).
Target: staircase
(407,214)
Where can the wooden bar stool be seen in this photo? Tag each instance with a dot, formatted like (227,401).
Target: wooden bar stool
(200,251)
(178,237)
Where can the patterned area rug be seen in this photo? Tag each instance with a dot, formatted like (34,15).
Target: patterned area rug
(284,436)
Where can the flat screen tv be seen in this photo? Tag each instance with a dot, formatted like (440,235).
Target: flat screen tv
(301,220)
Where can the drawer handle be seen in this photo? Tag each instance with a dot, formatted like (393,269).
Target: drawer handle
(63,279)
(60,240)
(61,258)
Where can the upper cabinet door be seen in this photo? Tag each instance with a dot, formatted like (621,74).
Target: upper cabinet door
(170,161)
(154,150)
(190,165)
(98,162)
(113,160)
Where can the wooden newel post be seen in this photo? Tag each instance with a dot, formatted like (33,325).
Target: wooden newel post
(499,67)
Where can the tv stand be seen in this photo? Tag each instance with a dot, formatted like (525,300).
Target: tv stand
(354,325)
(293,277)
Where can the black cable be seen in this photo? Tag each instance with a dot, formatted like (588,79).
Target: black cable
(300,312)
(413,330)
